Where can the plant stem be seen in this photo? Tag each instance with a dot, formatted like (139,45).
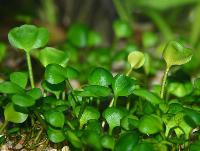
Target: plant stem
(129,72)
(28,59)
(3,126)
(72,90)
(40,120)
(164,82)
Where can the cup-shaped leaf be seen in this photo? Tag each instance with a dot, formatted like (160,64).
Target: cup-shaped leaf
(113,116)
(78,35)
(55,118)
(23,100)
(19,78)
(88,114)
(55,74)
(123,85)
(94,91)
(108,141)
(10,88)
(100,76)
(51,55)
(136,59)
(144,146)
(127,141)
(28,37)
(14,116)
(176,54)
(35,93)
(55,135)
(149,96)
(122,29)
(192,114)
(150,124)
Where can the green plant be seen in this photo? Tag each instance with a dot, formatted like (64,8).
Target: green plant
(108,112)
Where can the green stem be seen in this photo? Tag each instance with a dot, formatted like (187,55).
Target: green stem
(72,90)
(129,72)
(40,120)
(28,59)
(3,126)
(38,136)
(164,82)
(113,102)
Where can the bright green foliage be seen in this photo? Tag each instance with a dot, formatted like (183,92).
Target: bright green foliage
(55,118)
(55,74)
(71,73)
(123,85)
(149,96)
(176,54)
(10,88)
(150,124)
(72,138)
(28,37)
(100,76)
(113,116)
(51,55)
(55,135)
(19,78)
(144,146)
(14,116)
(23,100)
(108,141)
(94,91)
(122,29)
(88,114)
(127,141)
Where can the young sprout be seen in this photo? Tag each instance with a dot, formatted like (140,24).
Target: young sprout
(174,54)
(136,59)
(27,38)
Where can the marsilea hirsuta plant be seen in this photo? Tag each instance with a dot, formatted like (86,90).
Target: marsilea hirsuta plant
(107,113)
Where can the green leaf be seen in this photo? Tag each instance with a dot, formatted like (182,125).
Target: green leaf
(107,141)
(12,115)
(55,118)
(28,37)
(180,89)
(55,74)
(23,100)
(19,78)
(10,88)
(127,141)
(94,91)
(127,122)
(113,116)
(176,54)
(150,124)
(55,136)
(88,114)
(100,76)
(122,29)
(144,146)
(35,93)
(94,39)
(149,96)
(195,146)
(78,35)
(123,85)
(51,55)
(72,138)
(194,115)
(136,59)
(71,73)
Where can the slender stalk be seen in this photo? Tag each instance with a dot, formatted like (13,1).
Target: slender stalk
(129,72)
(112,102)
(40,120)
(30,71)
(72,90)
(3,126)
(164,82)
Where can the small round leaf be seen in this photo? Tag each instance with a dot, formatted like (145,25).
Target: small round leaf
(122,29)
(55,118)
(12,115)
(23,100)
(55,136)
(136,59)
(19,78)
